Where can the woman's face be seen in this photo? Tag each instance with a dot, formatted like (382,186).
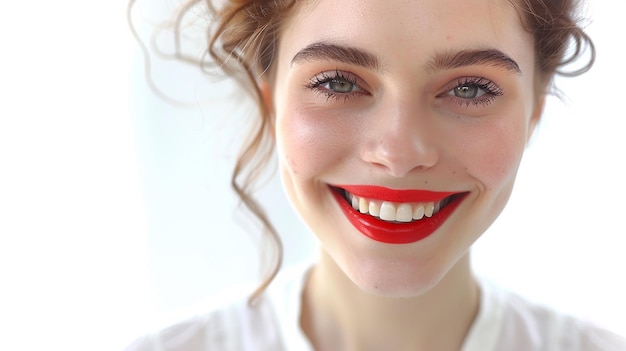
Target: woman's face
(400,127)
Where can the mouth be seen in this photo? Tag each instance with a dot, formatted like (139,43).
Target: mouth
(396,216)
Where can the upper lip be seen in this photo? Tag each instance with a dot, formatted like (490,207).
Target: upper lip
(395,195)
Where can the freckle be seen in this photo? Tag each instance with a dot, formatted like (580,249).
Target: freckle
(453,172)
(425,182)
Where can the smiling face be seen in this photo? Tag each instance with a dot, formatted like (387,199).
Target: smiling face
(372,100)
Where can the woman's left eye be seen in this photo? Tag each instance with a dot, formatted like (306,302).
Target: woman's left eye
(473,90)
(467,91)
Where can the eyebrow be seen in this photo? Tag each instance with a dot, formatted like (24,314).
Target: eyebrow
(321,51)
(325,51)
(455,59)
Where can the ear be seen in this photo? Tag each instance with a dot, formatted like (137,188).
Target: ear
(536,116)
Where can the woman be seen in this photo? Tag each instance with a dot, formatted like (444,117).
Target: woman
(399,131)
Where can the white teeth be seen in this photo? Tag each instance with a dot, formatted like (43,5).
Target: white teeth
(404,213)
(387,211)
(355,202)
(374,208)
(391,211)
(363,206)
(429,209)
(418,212)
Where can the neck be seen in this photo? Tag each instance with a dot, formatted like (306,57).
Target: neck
(338,315)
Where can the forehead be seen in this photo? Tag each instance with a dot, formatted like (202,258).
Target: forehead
(400,32)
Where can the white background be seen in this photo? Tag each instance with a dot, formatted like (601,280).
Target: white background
(115,208)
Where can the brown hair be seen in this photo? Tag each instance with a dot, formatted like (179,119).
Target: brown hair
(242,41)
(243,45)
(555,28)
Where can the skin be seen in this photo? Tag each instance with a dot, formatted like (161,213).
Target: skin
(401,127)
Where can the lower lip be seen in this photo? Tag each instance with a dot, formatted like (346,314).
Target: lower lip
(396,233)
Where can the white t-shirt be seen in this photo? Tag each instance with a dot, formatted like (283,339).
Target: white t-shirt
(505,322)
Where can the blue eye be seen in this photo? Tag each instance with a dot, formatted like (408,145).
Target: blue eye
(475,91)
(468,91)
(336,84)
(340,86)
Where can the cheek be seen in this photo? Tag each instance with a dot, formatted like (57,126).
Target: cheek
(310,142)
(493,154)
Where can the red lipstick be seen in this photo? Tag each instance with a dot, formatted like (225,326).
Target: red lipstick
(393,195)
(395,232)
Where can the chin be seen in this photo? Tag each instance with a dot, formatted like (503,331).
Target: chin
(396,278)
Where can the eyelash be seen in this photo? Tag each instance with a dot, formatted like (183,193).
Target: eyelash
(316,84)
(491,89)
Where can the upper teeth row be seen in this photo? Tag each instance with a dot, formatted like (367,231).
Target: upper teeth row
(393,211)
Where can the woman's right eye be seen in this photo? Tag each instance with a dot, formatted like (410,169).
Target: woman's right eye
(340,86)
(335,84)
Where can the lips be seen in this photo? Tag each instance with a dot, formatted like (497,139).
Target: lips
(395,216)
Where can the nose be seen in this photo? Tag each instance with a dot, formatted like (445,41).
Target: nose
(402,139)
